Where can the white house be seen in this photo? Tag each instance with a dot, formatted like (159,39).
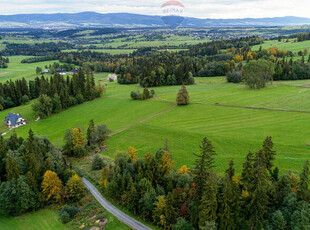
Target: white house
(112,77)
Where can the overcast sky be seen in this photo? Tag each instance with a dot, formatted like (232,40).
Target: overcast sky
(193,8)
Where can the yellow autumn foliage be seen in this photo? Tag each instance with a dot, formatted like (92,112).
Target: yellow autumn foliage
(183,169)
(52,186)
(132,152)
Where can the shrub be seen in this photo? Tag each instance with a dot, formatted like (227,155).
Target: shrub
(70,210)
(234,77)
(134,95)
(65,217)
(24,99)
(147,94)
(97,163)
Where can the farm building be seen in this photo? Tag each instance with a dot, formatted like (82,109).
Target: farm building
(13,120)
(112,77)
(46,71)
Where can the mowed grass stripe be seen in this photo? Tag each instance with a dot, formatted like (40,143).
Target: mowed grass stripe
(233,131)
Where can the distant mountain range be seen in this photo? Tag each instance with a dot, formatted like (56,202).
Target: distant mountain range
(93,19)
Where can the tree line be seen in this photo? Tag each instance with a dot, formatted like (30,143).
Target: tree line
(4,62)
(66,91)
(199,198)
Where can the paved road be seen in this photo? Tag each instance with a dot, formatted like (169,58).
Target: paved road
(113,210)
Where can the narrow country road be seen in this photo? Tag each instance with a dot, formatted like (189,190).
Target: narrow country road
(113,210)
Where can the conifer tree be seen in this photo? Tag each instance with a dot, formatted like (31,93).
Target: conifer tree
(229,201)
(303,191)
(203,166)
(208,204)
(269,153)
(2,157)
(258,190)
(91,136)
(12,168)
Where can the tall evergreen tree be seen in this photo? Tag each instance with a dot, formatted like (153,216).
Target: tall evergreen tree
(12,168)
(258,189)
(208,204)
(203,166)
(303,191)
(91,135)
(269,153)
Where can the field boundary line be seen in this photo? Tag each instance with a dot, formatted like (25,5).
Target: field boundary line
(141,121)
(253,108)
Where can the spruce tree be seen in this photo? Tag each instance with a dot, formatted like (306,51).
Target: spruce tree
(12,168)
(229,201)
(91,133)
(269,153)
(203,166)
(258,189)
(208,203)
(303,191)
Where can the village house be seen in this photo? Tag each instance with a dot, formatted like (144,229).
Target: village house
(112,77)
(13,120)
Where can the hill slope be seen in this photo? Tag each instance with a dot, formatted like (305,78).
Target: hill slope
(86,19)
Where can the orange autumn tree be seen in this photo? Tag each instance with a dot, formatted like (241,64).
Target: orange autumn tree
(166,163)
(52,186)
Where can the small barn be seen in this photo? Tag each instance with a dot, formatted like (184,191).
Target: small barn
(13,120)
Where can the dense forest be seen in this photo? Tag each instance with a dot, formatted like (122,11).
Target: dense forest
(66,91)
(36,49)
(200,198)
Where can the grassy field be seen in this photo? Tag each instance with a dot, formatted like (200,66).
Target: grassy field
(289,46)
(17,70)
(235,118)
(44,219)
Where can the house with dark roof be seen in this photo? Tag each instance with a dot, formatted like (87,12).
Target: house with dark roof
(13,120)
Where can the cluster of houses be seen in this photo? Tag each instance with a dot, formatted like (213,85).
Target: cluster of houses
(13,120)
(112,77)
(61,71)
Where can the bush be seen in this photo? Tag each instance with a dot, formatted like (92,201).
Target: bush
(234,77)
(147,94)
(65,217)
(134,95)
(97,163)
(70,210)
(25,99)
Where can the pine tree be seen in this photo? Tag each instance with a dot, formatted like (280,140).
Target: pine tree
(91,135)
(258,190)
(12,168)
(303,191)
(208,203)
(203,166)
(133,199)
(229,201)
(248,169)
(269,153)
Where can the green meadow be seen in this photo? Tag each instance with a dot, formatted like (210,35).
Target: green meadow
(235,118)
(43,219)
(17,70)
(289,46)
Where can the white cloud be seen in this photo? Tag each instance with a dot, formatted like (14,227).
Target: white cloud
(193,8)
